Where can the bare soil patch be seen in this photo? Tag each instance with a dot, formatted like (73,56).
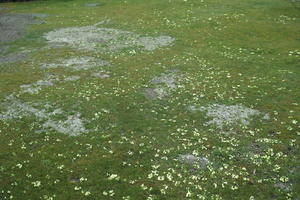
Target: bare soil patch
(105,39)
(77,63)
(224,115)
(45,114)
(162,85)
(13,57)
(13,26)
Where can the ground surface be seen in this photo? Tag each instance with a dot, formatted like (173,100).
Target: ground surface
(150,100)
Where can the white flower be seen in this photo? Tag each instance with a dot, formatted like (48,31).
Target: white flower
(19,165)
(284,179)
(234,187)
(111,193)
(60,167)
(188,194)
(36,184)
(113,177)
(77,188)
(82,179)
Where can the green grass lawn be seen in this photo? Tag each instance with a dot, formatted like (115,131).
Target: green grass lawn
(230,52)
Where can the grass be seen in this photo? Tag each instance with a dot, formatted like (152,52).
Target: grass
(230,52)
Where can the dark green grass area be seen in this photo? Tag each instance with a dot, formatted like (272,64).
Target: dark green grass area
(229,52)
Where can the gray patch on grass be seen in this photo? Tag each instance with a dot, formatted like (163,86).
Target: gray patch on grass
(287,187)
(152,43)
(15,110)
(105,39)
(162,85)
(77,63)
(223,115)
(193,160)
(34,88)
(74,180)
(155,93)
(169,80)
(72,126)
(50,80)
(93,4)
(101,74)
(39,15)
(3,49)
(72,78)
(13,57)
(13,26)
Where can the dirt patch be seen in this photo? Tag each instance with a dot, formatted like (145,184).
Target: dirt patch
(155,93)
(77,63)
(93,4)
(45,114)
(286,187)
(72,126)
(101,74)
(34,88)
(1,8)
(13,26)
(3,49)
(223,115)
(162,85)
(50,80)
(72,78)
(39,15)
(190,159)
(13,57)
(105,39)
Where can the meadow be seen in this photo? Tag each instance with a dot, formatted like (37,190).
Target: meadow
(154,100)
